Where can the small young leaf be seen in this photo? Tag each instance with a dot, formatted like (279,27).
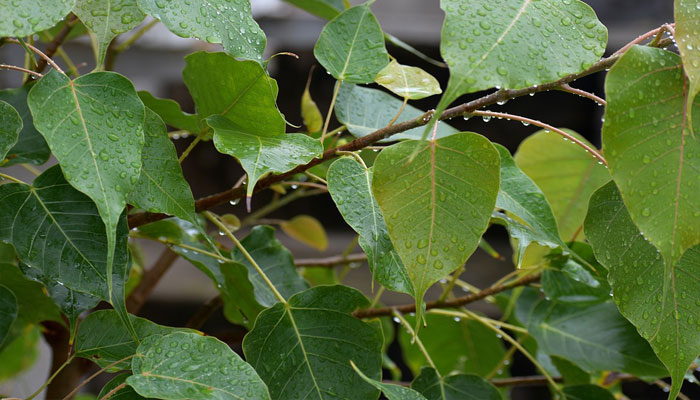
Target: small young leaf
(655,298)
(188,365)
(454,387)
(364,110)
(261,153)
(125,393)
(307,230)
(327,9)
(31,147)
(106,19)
(306,345)
(651,148)
(351,46)
(10,127)
(350,186)
(8,312)
(31,16)
(171,113)
(20,354)
(391,391)
(228,22)
(408,82)
(313,120)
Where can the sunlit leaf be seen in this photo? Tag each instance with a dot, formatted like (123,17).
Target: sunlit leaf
(408,82)
(313,120)
(307,230)
(23,19)
(20,354)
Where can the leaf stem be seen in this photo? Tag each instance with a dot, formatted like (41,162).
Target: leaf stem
(192,145)
(470,315)
(51,378)
(566,88)
(40,53)
(93,376)
(113,391)
(330,261)
(448,290)
(25,70)
(417,340)
(12,178)
(330,110)
(215,220)
(398,114)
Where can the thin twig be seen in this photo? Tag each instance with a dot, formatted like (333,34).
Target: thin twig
(113,391)
(330,110)
(39,52)
(566,88)
(330,261)
(25,70)
(93,376)
(56,43)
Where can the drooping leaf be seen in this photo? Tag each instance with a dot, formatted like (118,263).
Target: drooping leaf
(31,15)
(103,338)
(587,392)
(60,239)
(94,127)
(659,300)
(8,312)
(437,206)
(391,391)
(106,19)
(313,120)
(565,173)
(565,279)
(463,387)
(31,146)
(327,9)
(261,153)
(220,84)
(351,46)
(10,127)
(161,186)
(171,113)
(651,150)
(521,197)
(687,17)
(307,230)
(364,110)
(464,346)
(125,393)
(228,22)
(187,365)
(350,186)
(306,346)
(276,262)
(20,354)
(551,41)
(408,82)
(595,337)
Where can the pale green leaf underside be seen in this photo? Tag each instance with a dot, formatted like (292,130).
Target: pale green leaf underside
(594,337)
(392,391)
(660,301)
(10,127)
(407,82)
(437,206)
(653,156)
(191,366)
(454,387)
(687,17)
(364,110)
(350,186)
(305,347)
(161,186)
(228,22)
(31,15)
(31,146)
(351,46)
(106,19)
(261,154)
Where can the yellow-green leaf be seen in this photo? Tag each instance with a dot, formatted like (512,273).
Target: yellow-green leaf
(307,230)
(408,82)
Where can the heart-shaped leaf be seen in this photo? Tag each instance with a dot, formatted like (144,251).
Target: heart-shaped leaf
(31,15)
(10,127)
(408,82)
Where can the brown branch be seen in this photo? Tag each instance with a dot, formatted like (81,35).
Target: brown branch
(26,71)
(204,312)
(56,42)
(457,302)
(599,100)
(149,280)
(330,261)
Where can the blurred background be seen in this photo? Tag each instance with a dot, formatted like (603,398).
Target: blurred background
(155,62)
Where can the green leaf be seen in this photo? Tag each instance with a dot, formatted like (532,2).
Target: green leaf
(161,186)
(8,312)
(33,305)
(221,85)
(261,153)
(31,15)
(103,338)
(437,206)
(570,372)
(364,110)
(551,41)
(659,300)
(276,262)
(313,120)
(51,218)
(94,127)
(454,387)
(125,393)
(391,391)
(10,127)
(350,186)
(106,19)
(566,280)
(20,354)
(171,113)
(327,9)
(651,150)
(306,345)
(351,46)
(595,337)
(228,22)
(306,229)
(587,392)
(687,16)
(187,365)
(520,196)
(31,146)
(464,346)
(408,82)
(565,173)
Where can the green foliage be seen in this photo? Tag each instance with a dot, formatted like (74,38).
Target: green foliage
(10,126)
(30,147)
(437,387)
(31,15)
